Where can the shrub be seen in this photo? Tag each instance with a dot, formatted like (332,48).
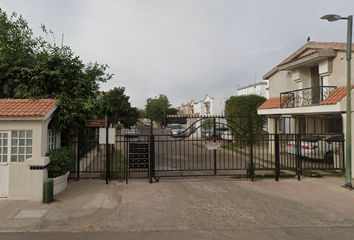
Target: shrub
(62,161)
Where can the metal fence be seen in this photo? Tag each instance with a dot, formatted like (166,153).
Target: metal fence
(194,146)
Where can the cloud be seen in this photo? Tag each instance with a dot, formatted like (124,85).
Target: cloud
(184,48)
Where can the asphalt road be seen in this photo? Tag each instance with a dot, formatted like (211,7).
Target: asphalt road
(295,233)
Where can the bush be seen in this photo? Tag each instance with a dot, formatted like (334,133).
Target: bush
(244,119)
(62,161)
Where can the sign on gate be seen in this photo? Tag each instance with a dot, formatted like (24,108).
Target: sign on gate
(212,146)
(96,123)
(102,138)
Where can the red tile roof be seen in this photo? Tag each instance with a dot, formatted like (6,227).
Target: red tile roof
(26,107)
(335,96)
(297,58)
(270,103)
(329,43)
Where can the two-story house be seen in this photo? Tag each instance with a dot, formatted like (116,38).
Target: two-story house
(310,82)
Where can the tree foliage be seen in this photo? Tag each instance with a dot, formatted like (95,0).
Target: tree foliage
(242,111)
(30,67)
(115,104)
(158,108)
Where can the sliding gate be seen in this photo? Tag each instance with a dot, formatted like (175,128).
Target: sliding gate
(205,146)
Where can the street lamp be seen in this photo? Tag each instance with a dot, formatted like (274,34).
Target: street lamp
(348,140)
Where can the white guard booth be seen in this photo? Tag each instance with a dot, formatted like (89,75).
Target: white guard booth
(24,141)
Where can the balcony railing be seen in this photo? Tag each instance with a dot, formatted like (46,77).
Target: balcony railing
(305,97)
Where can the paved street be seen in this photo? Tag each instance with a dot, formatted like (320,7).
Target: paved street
(189,208)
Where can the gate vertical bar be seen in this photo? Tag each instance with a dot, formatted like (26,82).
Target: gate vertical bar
(251,151)
(277,157)
(152,158)
(108,172)
(277,152)
(214,137)
(78,156)
(297,154)
(126,158)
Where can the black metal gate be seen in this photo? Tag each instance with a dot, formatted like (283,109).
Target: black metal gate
(196,146)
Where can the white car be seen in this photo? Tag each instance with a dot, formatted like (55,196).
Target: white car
(131,132)
(176,130)
(227,135)
(316,146)
(147,124)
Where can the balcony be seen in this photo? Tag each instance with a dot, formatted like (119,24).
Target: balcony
(305,97)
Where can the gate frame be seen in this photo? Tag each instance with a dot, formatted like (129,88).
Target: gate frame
(273,138)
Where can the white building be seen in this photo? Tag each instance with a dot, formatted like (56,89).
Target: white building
(25,137)
(207,108)
(259,88)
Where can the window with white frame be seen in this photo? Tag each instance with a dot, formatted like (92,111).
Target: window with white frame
(21,145)
(51,140)
(4,142)
(207,107)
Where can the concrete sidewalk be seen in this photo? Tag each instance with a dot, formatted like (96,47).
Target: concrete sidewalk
(184,204)
(82,203)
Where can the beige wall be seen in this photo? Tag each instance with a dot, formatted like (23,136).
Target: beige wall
(339,74)
(333,70)
(281,82)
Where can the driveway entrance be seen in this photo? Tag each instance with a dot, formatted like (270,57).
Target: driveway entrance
(204,146)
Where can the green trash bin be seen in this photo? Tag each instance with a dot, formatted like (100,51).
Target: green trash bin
(48,190)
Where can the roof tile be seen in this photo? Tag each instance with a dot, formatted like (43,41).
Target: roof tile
(270,103)
(26,107)
(335,96)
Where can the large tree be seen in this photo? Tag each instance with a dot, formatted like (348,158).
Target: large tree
(30,67)
(115,104)
(158,108)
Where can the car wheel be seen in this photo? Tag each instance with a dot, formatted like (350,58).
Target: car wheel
(329,158)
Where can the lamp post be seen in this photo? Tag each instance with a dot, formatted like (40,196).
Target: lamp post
(348,134)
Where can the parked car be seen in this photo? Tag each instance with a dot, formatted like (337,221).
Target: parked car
(316,147)
(147,124)
(176,130)
(133,131)
(226,135)
(209,133)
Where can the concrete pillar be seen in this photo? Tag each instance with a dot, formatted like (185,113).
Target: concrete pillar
(38,175)
(344,116)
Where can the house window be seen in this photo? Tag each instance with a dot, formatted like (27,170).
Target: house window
(21,145)
(281,125)
(4,141)
(51,140)
(207,108)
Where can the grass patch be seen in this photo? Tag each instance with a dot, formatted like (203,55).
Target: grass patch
(335,173)
(312,174)
(117,165)
(266,175)
(239,177)
(281,175)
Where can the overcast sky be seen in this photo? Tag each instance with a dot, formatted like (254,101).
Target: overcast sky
(184,49)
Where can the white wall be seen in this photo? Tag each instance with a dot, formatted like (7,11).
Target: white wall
(25,183)
(259,88)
